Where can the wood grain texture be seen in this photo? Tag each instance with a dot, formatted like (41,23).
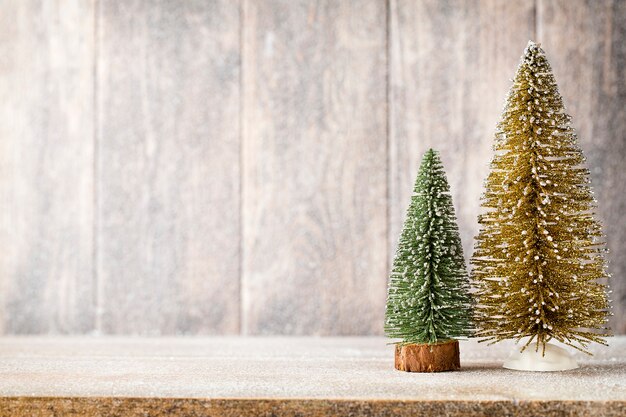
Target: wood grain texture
(586,44)
(230,407)
(314,369)
(121,127)
(451,64)
(314,167)
(168,167)
(438,357)
(46,166)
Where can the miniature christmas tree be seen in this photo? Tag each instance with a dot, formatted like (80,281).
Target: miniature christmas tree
(538,263)
(428,301)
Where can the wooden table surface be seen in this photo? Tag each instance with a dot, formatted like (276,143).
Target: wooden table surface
(289,376)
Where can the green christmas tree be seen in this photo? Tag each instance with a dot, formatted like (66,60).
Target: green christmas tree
(538,263)
(428,300)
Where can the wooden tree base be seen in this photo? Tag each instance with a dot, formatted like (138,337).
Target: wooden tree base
(428,358)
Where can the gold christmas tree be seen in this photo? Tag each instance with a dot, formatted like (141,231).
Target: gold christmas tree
(538,264)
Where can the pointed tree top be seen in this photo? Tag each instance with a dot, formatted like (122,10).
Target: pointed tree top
(532,45)
(532,49)
(430,153)
(432,156)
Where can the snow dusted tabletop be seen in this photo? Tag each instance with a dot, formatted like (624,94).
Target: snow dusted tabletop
(286,376)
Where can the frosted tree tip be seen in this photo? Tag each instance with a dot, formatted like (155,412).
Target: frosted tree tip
(532,46)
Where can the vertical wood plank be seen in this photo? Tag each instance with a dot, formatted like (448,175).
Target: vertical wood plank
(168,166)
(46,166)
(451,63)
(586,44)
(314,167)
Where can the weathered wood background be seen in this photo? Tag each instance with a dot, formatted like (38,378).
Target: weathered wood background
(225,167)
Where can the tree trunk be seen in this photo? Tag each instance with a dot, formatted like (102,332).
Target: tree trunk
(428,358)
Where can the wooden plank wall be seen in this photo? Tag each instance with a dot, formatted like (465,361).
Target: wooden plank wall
(46,167)
(315,160)
(243,166)
(168,167)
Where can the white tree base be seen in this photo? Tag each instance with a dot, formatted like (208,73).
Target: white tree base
(555,359)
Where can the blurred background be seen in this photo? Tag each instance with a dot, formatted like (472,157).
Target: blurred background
(243,167)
